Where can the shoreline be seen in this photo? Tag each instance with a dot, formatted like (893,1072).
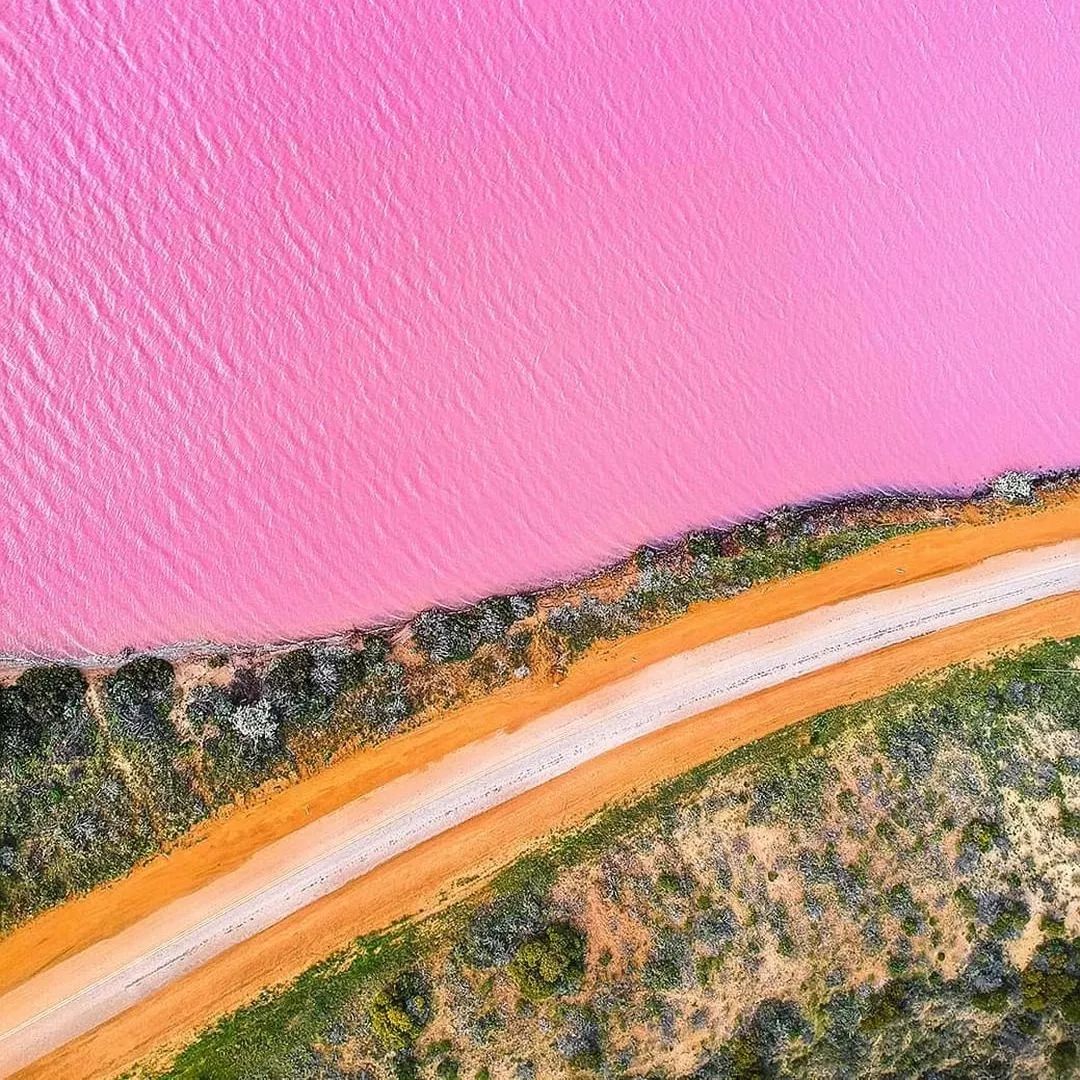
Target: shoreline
(862,505)
(222,840)
(136,762)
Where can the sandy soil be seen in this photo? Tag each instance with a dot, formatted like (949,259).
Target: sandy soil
(413,881)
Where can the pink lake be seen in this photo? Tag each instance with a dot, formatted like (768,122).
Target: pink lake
(317,314)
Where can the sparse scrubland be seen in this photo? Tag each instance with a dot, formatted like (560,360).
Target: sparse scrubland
(103,768)
(890,889)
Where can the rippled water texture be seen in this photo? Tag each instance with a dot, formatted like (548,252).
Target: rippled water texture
(316,313)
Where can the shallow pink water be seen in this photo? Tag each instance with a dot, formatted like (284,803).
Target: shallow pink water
(314,314)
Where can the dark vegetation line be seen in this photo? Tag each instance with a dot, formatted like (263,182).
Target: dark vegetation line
(100,769)
(885,890)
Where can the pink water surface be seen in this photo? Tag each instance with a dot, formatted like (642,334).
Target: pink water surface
(314,314)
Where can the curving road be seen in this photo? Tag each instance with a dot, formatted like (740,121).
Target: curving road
(84,990)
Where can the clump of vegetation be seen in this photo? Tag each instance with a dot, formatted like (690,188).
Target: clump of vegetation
(551,963)
(669,964)
(498,929)
(980,835)
(448,636)
(1050,984)
(140,696)
(45,711)
(401,1010)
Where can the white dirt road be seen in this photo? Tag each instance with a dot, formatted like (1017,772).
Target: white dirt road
(82,991)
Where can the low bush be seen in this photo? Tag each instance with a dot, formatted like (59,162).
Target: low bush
(401,1010)
(46,704)
(580,1042)
(453,636)
(551,963)
(1051,981)
(498,929)
(1063,1058)
(980,835)
(669,964)
(1011,919)
(140,697)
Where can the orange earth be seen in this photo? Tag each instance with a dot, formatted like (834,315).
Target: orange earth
(433,874)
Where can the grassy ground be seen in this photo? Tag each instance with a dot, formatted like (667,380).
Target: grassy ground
(890,889)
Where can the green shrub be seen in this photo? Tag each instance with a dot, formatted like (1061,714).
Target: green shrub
(1051,927)
(884,1007)
(980,834)
(51,692)
(1011,919)
(669,964)
(1063,1058)
(405,1066)
(400,1011)
(902,906)
(291,687)
(1070,822)
(1051,981)
(497,930)
(668,882)
(453,636)
(18,734)
(708,544)
(448,1069)
(551,963)
(966,902)
(303,685)
(580,625)
(47,705)
(140,696)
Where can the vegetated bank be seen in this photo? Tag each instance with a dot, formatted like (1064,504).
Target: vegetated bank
(100,769)
(888,889)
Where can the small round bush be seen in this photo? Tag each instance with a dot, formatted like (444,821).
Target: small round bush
(401,1010)
(140,695)
(552,963)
